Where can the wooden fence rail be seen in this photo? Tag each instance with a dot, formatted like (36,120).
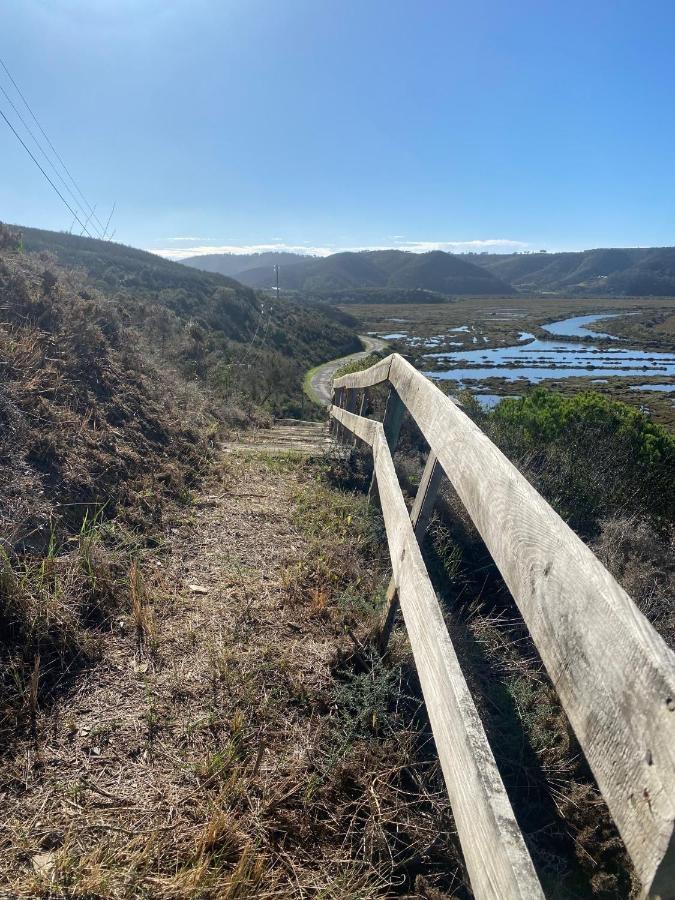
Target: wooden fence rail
(614,674)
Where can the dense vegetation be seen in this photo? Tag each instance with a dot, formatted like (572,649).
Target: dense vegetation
(594,456)
(607,468)
(251,352)
(396,270)
(613,272)
(95,450)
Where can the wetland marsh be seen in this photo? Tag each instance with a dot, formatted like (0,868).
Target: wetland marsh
(495,348)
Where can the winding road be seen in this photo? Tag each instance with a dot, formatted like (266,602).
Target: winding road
(321,380)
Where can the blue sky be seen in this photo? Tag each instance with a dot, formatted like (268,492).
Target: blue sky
(329,124)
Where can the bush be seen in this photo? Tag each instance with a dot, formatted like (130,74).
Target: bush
(591,457)
(9,239)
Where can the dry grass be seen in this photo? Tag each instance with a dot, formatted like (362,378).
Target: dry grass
(262,749)
(94,462)
(642,559)
(574,844)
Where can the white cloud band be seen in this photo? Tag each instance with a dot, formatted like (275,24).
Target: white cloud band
(489,245)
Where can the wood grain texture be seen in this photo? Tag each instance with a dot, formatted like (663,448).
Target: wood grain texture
(366,377)
(614,674)
(420,516)
(391,422)
(496,857)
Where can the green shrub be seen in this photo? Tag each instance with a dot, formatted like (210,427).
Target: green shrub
(591,457)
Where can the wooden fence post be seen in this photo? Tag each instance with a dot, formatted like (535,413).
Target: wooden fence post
(363,409)
(420,516)
(393,417)
(338,400)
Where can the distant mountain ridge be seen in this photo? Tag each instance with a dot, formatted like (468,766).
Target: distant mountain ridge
(231,264)
(613,271)
(440,272)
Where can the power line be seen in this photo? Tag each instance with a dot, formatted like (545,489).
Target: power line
(88,218)
(107,224)
(78,205)
(46,137)
(28,151)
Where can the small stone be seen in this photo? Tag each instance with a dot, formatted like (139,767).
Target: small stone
(198,589)
(43,863)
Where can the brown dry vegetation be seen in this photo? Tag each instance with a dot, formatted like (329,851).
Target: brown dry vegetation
(93,458)
(240,738)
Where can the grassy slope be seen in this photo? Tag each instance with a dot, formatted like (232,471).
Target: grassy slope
(118,369)
(215,328)
(96,449)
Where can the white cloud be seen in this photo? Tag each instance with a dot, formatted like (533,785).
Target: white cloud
(203,250)
(493,245)
(186,238)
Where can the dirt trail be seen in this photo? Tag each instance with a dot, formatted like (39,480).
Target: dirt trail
(117,793)
(321,381)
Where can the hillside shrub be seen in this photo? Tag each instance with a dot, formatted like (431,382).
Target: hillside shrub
(590,456)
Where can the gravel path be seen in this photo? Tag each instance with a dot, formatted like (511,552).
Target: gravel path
(321,382)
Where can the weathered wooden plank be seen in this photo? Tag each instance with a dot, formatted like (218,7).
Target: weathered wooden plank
(614,674)
(350,406)
(420,515)
(363,408)
(362,428)
(391,422)
(496,857)
(339,394)
(367,377)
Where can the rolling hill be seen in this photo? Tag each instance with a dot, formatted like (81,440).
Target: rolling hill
(442,273)
(232,264)
(215,329)
(620,272)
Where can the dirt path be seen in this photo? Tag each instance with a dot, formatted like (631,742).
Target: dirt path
(321,379)
(238,738)
(160,754)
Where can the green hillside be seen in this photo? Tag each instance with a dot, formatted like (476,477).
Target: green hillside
(616,272)
(443,273)
(232,264)
(214,328)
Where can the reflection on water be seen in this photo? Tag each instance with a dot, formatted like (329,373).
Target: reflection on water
(489,401)
(576,326)
(537,360)
(668,388)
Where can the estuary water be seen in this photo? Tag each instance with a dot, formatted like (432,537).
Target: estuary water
(537,359)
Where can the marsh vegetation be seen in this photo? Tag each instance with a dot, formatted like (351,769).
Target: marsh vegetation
(621,347)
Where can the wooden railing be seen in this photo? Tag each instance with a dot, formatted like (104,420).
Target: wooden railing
(614,674)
